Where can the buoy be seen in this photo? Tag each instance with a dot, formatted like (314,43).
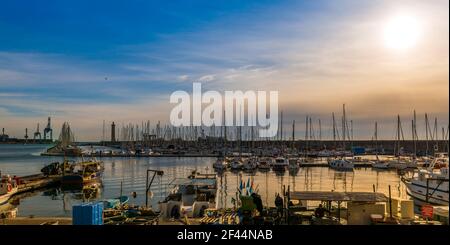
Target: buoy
(9,187)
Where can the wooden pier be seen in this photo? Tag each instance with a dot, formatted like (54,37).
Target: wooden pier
(37,181)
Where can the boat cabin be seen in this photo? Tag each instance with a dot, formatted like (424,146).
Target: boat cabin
(351,208)
(190,197)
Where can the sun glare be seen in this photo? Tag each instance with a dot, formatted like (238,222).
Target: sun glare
(402,32)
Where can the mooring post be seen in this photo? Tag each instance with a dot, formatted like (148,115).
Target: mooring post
(146,190)
(390,203)
(339,211)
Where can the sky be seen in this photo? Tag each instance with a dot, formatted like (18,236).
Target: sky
(85,61)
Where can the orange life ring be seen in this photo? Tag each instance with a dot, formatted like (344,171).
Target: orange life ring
(9,187)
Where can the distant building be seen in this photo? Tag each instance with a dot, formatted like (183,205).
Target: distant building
(3,137)
(113,132)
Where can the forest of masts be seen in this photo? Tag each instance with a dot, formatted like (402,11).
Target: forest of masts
(340,131)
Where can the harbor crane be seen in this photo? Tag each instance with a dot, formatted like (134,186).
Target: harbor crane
(37,133)
(48,130)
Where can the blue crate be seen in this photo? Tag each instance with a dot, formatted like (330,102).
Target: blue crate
(87,214)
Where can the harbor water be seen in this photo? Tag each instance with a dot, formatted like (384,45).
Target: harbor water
(128,174)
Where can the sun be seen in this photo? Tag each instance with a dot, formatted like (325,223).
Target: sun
(402,32)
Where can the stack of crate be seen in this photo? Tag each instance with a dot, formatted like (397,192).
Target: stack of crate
(87,213)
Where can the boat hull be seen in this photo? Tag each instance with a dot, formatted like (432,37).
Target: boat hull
(436,195)
(5,197)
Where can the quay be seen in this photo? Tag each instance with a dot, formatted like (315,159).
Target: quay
(36,181)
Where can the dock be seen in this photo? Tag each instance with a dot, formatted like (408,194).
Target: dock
(325,165)
(36,181)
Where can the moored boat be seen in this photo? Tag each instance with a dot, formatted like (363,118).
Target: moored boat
(264,163)
(280,164)
(8,187)
(250,164)
(429,186)
(82,173)
(220,164)
(190,197)
(341,164)
(236,164)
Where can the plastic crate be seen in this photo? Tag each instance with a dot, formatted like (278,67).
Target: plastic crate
(87,214)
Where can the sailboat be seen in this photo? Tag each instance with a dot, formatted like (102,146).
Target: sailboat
(342,164)
(378,164)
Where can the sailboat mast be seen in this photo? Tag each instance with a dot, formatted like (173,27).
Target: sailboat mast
(320,131)
(334,131)
(293,133)
(376,138)
(343,126)
(426,133)
(398,135)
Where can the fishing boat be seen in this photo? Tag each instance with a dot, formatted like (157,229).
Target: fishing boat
(341,164)
(280,164)
(8,187)
(190,197)
(82,173)
(429,185)
(115,202)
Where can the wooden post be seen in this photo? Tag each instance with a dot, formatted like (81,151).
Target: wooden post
(390,203)
(146,190)
(339,211)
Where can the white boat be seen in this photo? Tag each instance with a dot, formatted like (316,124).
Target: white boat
(325,153)
(341,164)
(280,164)
(429,185)
(8,187)
(190,197)
(397,163)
